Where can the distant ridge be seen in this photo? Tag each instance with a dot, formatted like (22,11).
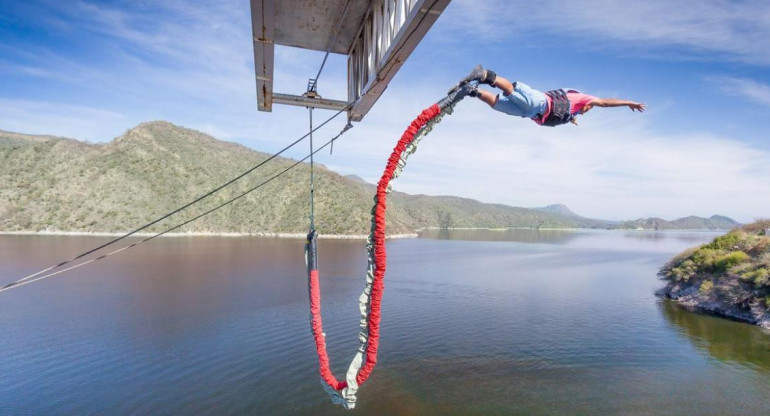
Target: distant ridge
(50,183)
(558,209)
(357,179)
(585,222)
(715,222)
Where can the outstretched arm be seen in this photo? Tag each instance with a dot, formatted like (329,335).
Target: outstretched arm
(614,102)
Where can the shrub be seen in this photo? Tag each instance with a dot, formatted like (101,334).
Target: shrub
(708,259)
(761,277)
(684,271)
(731,259)
(705,258)
(746,276)
(706,286)
(726,242)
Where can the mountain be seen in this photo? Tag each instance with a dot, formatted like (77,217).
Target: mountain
(63,184)
(52,183)
(584,222)
(715,222)
(59,184)
(558,209)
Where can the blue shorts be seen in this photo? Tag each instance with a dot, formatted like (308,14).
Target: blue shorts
(524,102)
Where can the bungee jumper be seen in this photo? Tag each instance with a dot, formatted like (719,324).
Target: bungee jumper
(551,108)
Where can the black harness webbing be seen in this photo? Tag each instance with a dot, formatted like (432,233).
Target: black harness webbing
(560,106)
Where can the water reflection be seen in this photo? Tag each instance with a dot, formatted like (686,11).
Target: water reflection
(722,339)
(503,234)
(219,326)
(689,236)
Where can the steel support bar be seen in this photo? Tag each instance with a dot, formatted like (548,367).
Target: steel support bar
(263,34)
(391,30)
(301,101)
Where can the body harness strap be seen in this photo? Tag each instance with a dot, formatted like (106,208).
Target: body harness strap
(560,107)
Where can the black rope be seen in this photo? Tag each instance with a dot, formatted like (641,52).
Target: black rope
(230,182)
(312,177)
(222,205)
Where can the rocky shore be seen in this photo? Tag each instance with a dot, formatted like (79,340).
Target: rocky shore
(735,307)
(729,277)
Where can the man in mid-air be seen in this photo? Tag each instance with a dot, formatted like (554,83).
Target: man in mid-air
(550,108)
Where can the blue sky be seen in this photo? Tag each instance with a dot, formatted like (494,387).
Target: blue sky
(91,70)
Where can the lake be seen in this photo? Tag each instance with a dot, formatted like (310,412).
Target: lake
(515,322)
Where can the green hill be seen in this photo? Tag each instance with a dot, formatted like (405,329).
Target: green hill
(58,184)
(64,184)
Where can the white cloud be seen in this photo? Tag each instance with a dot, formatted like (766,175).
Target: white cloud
(612,166)
(738,31)
(743,87)
(194,67)
(58,119)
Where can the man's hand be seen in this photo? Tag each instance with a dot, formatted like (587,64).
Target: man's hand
(637,106)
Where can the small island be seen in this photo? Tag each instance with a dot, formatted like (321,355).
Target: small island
(729,277)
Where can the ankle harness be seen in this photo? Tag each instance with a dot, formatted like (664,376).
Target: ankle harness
(490,78)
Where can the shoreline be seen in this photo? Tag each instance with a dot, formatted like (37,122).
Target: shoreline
(205,234)
(326,236)
(708,230)
(690,298)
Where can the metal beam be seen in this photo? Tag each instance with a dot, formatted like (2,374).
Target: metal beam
(263,35)
(391,30)
(301,101)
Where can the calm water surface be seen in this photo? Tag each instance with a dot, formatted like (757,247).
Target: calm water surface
(474,323)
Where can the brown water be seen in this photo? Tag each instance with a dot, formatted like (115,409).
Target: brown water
(474,323)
